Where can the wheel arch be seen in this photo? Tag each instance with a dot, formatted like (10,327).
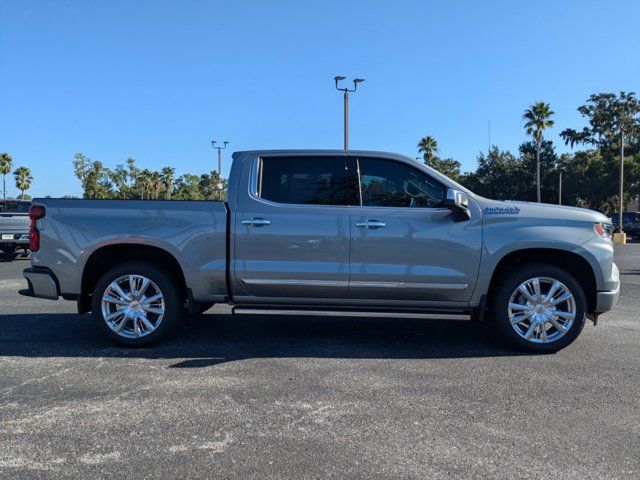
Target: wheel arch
(106,257)
(574,263)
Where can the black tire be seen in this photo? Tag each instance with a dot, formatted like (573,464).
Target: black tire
(167,287)
(8,253)
(507,285)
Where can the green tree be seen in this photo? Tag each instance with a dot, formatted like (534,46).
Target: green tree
(119,180)
(144,184)
(608,115)
(530,153)
(5,168)
(538,119)
(23,180)
(210,186)
(187,187)
(93,176)
(497,176)
(428,147)
(613,130)
(447,166)
(168,176)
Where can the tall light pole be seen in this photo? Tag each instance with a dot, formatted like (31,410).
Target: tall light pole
(621,203)
(560,171)
(346,92)
(219,148)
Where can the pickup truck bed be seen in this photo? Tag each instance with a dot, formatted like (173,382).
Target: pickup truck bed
(90,232)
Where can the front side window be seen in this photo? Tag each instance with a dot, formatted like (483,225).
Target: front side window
(303,180)
(385,183)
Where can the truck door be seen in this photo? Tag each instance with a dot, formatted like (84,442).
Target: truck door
(404,244)
(291,232)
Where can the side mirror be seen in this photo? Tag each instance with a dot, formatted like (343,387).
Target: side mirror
(458,203)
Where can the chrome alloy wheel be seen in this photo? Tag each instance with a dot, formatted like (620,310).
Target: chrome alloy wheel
(133,306)
(542,310)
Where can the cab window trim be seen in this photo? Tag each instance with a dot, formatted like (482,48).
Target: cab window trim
(255,183)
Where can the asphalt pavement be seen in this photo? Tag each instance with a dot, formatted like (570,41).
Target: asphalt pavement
(302,397)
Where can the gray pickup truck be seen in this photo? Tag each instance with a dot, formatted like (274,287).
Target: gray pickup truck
(14,225)
(327,229)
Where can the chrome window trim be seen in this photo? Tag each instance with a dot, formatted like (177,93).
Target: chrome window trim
(254,193)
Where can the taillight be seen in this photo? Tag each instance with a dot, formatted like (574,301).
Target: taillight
(36,212)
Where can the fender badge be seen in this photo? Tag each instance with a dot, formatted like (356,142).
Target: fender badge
(501,211)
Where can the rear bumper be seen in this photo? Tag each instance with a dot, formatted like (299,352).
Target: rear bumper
(606,300)
(17,239)
(41,282)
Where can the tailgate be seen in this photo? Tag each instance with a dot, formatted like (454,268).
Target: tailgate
(14,223)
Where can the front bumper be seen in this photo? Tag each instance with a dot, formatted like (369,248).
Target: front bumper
(606,300)
(42,283)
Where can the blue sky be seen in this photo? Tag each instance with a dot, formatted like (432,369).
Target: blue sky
(156,80)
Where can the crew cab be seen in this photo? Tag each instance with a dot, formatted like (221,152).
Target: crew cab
(327,229)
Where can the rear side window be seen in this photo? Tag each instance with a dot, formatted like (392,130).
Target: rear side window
(14,207)
(385,183)
(303,180)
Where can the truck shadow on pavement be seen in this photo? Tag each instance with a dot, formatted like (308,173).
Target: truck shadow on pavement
(208,340)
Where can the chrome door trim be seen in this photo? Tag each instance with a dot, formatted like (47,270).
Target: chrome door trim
(295,282)
(338,283)
(430,285)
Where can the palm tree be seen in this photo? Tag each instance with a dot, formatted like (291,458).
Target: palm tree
(168,175)
(538,119)
(428,146)
(23,179)
(156,183)
(5,168)
(142,183)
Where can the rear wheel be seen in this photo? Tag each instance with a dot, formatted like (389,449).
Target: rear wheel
(136,304)
(8,253)
(539,307)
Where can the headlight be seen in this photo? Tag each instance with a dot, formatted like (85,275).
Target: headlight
(604,230)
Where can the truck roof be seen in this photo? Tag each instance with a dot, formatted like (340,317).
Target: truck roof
(311,151)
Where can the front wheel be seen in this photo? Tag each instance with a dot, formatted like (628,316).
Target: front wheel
(136,304)
(539,308)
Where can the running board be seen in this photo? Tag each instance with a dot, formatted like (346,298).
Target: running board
(350,312)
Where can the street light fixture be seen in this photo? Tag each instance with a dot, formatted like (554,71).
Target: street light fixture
(347,91)
(219,148)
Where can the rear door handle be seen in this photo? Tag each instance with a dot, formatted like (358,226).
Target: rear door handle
(371,224)
(256,222)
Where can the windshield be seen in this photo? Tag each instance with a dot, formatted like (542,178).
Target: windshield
(12,206)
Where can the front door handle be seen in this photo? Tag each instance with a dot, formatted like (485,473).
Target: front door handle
(371,224)
(256,222)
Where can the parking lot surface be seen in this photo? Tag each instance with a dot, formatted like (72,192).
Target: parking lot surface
(289,396)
